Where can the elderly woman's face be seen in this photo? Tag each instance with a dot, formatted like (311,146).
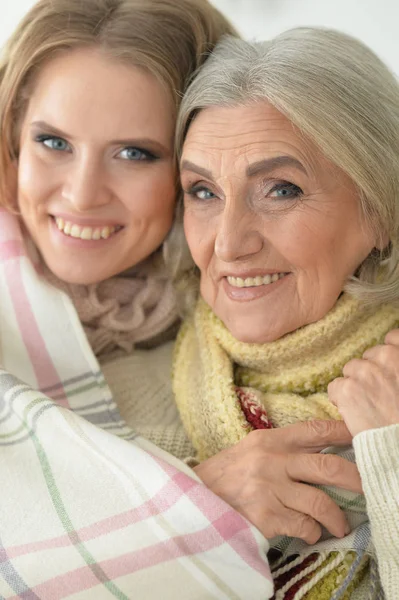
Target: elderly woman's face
(274,228)
(96,170)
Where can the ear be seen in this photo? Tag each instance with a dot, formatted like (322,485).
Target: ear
(382,241)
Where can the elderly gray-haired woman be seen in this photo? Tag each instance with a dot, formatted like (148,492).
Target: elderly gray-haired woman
(291,212)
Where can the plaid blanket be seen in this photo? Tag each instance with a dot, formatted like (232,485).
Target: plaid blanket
(87,508)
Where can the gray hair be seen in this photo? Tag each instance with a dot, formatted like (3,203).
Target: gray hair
(340,95)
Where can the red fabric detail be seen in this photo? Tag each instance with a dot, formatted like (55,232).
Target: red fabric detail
(280,582)
(253,410)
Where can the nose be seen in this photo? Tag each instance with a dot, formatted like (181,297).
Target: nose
(237,236)
(85,186)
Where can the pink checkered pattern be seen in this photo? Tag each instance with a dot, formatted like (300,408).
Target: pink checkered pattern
(86,513)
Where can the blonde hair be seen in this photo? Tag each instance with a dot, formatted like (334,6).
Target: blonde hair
(169,38)
(340,95)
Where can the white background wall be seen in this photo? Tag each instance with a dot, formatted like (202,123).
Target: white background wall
(374,21)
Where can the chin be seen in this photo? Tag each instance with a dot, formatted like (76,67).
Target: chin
(251,333)
(77,276)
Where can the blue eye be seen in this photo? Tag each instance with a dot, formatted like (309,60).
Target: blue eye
(201,193)
(285,191)
(136,154)
(54,143)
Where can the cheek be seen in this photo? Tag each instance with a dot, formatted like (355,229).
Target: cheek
(34,183)
(343,246)
(296,240)
(309,241)
(199,239)
(325,253)
(152,196)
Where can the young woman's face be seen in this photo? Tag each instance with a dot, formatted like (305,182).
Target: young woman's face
(96,179)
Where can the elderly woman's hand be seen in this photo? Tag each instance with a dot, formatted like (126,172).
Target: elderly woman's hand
(264,477)
(367,396)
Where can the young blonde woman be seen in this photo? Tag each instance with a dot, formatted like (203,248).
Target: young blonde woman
(89,92)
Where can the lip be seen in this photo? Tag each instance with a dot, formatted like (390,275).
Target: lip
(60,239)
(249,294)
(84,222)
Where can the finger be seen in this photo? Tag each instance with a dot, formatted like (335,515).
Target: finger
(314,436)
(385,356)
(334,390)
(371,353)
(392,337)
(296,524)
(324,469)
(316,504)
(356,367)
(369,371)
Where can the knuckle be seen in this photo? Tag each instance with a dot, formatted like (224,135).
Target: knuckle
(330,466)
(334,385)
(348,388)
(320,505)
(320,429)
(334,390)
(358,367)
(256,452)
(307,529)
(351,365)
(256,438)
(392,337)
(389,353)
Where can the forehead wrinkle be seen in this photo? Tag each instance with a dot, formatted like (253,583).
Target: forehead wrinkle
(236,143)
(225,140)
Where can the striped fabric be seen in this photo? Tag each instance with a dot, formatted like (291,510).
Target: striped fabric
(89,510)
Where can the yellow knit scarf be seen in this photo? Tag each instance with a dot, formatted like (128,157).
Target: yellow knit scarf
(225,388)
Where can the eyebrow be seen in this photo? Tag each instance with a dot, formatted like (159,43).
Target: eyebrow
(271,164)
(140,142)
(265,166)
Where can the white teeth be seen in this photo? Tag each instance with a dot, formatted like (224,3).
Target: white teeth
(85,233)
(254,281)
(75,231)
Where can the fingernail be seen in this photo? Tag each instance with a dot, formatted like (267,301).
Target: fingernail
(347,530)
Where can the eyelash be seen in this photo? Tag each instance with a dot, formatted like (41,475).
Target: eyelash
(148,156)
(41,139)
(195,189)
(287,184)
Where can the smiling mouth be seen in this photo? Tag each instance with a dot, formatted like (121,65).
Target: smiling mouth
(238,282)
(84,232)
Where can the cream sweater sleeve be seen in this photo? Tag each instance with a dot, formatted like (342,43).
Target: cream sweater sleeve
(377,457)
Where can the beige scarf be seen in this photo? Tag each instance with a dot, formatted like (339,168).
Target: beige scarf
(136,307)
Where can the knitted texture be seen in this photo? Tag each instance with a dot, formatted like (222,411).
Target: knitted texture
(142,389)
(378,458)
(290,376)
(225,388)
(126,310)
